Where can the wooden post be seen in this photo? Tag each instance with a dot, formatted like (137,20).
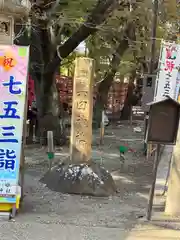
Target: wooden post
(22,160)
(50,141)
(50,144)
(149,150)
(102,128)
(151,192)
(131,116)
(82,110)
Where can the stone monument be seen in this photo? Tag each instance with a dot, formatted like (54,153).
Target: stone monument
(82,107)
(80,174)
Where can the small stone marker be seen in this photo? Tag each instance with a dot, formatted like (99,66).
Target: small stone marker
(82,109)
(50,145)
(102,128)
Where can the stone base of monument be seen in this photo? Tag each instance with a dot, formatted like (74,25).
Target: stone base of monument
(84,179)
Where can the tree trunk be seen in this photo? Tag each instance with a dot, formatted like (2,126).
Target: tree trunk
(37,85)
(50,111)
(101,99)
(126,112)
(47,97)
(103,89)
(130,98)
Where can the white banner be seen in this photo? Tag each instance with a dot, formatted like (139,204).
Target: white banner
(177,86)
(13,83)
(169,63)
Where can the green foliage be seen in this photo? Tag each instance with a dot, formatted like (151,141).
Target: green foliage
(75,10)
(66,17)
(67,65)
(69,15)
(103,44)
(168,10)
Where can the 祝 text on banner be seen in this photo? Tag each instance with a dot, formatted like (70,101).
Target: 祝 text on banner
(13,80)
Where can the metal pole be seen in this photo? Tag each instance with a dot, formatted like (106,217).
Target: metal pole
(153,42)
(151,192)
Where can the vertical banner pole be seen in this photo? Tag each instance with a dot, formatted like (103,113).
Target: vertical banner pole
(22,163)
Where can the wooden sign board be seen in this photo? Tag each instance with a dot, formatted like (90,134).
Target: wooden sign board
(163,122)
(6,30)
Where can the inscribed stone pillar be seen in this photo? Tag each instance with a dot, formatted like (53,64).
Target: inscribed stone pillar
(82,110)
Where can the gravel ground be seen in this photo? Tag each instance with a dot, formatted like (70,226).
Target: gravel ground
(49,215)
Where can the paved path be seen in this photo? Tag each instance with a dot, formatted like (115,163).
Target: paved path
(32,230)
(161,227)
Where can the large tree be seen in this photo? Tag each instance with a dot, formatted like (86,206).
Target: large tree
(121,44)
(53,38)
(105,47)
